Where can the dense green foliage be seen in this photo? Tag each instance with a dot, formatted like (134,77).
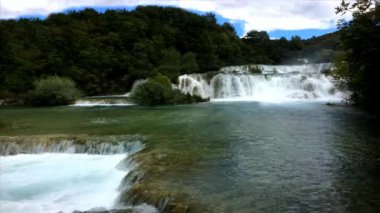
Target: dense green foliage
(322,49)
(158,91)
(260,49)
(53,91)
(357,67)
(104,53)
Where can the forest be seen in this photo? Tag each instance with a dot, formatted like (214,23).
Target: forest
(104,53)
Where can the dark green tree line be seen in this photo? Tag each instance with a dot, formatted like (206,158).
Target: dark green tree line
(357,67)
(104,53)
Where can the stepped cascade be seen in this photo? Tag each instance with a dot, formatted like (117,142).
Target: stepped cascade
(67,173)
(273,83)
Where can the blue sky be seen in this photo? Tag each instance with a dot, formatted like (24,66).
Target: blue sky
(305,18)
(305,34)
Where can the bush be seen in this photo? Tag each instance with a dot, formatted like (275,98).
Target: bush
(151,93)
(53,91)
(178,97)
(158,91)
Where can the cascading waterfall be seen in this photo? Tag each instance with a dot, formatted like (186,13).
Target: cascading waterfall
(66,174)
(102,145)
(264,83)
(110,100)
(134,86)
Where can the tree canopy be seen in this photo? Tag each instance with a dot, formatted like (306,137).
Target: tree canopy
(104,53)
(357,67)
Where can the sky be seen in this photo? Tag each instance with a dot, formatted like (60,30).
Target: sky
(305,18)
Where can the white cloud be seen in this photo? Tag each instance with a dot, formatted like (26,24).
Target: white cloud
(258,14)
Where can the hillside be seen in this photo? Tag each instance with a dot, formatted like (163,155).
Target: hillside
(104,53)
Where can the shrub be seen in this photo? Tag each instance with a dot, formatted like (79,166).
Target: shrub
(178,97)
(158,91)
(151,93)
(53,91)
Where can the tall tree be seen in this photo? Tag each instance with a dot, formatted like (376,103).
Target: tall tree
(358,66)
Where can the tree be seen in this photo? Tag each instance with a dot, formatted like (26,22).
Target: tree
(210,17)
(53,91)
(170,64)
(297,43)
(358,67)
(257,36)
(358,7)
(259,45)
(158,91)
(228,26)
(189,63)
(151,93)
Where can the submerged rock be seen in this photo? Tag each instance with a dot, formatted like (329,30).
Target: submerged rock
(150,183)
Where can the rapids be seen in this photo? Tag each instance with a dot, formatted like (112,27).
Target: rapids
(66,174)
(53,182)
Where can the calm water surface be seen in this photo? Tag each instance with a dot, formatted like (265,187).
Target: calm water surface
(249,157)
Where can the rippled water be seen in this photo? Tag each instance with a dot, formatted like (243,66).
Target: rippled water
(245,157)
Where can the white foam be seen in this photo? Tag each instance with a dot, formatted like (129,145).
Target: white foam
(59,182)
(94,103)
(134,86)
(276,84)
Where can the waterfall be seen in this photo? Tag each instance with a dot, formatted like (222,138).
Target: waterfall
(104,102)
(104,145)
(272,83)
(134,86)
(109,100)
(67,173)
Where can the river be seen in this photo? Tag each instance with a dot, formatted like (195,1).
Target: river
(240,156)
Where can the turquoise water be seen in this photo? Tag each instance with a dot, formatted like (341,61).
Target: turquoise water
(34,184)
(241,156)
